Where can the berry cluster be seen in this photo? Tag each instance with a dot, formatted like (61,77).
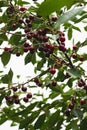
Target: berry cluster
(14,98)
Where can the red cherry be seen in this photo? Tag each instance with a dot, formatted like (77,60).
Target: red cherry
(62,48)
(14,25)
(62,38)
(82,101)
(54,18)
(17,101)
(75,47)
(14,89)
(25,49)
(31,17)
(18,54)
(29,95)
(22,9)
(6,49)
(67,112)
(24,88)
(80,83)
(71,105)
(29,36)
(51,47)
(54,83)
(74,55)
(39,83)
(45,39)
(81,58)
(26,44)
(52,70)
(25,99)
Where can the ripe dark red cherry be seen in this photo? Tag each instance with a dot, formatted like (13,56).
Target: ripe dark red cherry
(75,47)
(31,17)
(6,49)
(14,25)
(14,89)
(67,113)
(52,70)
(71,105)
(82,101)
(54,18)
(80,83)
(54,83)
(51,47)
(74,55)
(26,44)
(25,99)
(85,86)
(24,88)
(62,48)
(22,9)
(29,95)
(81,58)
(62,38)
(17,101)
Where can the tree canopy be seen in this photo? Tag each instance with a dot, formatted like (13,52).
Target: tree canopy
(56,96)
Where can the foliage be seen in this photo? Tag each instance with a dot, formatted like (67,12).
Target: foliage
(38,32)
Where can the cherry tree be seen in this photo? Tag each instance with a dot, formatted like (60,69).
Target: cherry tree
(56,96)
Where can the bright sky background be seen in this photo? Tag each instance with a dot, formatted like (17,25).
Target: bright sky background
(17,65)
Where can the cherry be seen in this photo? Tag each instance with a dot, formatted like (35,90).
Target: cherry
(31,48)
(15,96)
(29,95)
(39,83)
(22,9)
(40,32)
(29,36)
(25,49)
(6,49)
(81,58)
(31,17)
(36,80)
(7,97)
(54,83)
(62,48)
(24,88)
(20,21)
(80,83)
(51,47)
(67,112)
(17,101)
(54,18)
(25,99)
(74,55)
(26,44)
(67,75)
(82,101)
(45,39)
(62,38)
(75,47)
(27,20)
(14,89)
(71,105)
(14,25)
(18,54)
(52,70)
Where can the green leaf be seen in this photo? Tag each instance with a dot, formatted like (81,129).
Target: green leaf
(15,38)
(76,73)
(3,37)
(49,6)
(83,124)
(85,28)
(29,119)
(70,15)
(40,121)
(5,57)
(53,119)
(78,113)
(41,63)
(21,2)
(30,58)
(7,79)
(3,119)
(70,33)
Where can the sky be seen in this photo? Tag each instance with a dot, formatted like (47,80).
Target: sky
(17,64)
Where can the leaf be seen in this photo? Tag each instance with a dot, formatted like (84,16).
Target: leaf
(83,124)
(76,73)
(40,121)
(85,28)
(70,15)
(3,119)
(53,119)
(41,63)
(49,6)
(7,79)
(5,57)
(70,33)
(3,37)
(77,113)
(30,58)
(29,119)
(21,2)
(15,38)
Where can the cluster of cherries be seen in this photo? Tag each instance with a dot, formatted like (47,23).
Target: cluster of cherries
(15,98)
